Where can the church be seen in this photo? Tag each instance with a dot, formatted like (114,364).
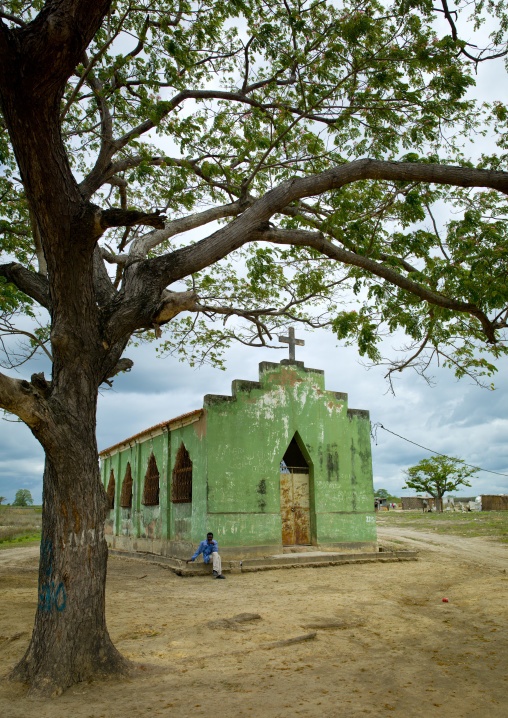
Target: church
(281,462)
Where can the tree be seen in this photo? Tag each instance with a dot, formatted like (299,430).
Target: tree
(309,141)
(2,499)
(381,494)
(438,475)
(23,498)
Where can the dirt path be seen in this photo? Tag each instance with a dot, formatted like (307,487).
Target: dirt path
(16,556)
(477,550)
(385,645)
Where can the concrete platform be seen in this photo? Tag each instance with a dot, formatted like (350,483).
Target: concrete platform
(307,559)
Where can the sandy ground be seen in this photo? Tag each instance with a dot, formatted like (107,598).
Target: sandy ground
(391,646)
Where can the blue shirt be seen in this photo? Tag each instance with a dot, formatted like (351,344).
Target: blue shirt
(206,549)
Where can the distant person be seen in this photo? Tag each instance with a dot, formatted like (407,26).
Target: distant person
(209,548)
(424,506)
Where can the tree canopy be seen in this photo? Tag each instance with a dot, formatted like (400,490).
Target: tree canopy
(23,498)
(438,475)
(312,146)
(181,115)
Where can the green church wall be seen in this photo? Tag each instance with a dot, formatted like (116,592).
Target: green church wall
(336,528)
(250,433)
(245,529)
(361,461)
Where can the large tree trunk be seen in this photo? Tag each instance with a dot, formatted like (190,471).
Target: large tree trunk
(70,642)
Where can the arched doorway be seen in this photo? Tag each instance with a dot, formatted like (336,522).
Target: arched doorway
(295,497)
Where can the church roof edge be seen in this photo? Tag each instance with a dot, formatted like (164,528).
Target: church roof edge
(197,413)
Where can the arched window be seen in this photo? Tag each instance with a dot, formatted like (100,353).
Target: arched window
(111,490)
(151,489)
(182,477)
(126,495)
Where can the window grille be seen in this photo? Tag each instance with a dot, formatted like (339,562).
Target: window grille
(151,489)
(126,495)
(111,490)
(182,477)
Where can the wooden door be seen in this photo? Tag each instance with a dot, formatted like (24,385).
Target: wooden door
(295,507)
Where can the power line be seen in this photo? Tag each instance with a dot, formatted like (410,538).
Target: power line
(488,471)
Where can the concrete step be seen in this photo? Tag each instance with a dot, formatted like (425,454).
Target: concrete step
(305,559)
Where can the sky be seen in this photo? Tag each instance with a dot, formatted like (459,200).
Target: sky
(452,417)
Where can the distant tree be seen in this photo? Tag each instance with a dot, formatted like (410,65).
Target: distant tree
(381,494)
(438,475)
(2,499)
(23,498)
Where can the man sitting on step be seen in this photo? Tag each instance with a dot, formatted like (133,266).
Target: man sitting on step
(207,548)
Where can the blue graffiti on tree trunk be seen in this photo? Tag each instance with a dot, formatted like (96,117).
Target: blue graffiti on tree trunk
(51,596)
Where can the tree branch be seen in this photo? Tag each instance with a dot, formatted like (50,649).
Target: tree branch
(39,251)
(130,218)
(187,260)
(91,64)
(104,289)
(124,364)
(8,329)
(120,259)
(140,247)
(21,398)
(33,285)
(122,189)
(12,18)
(107,143)
(462,50)
(173,303)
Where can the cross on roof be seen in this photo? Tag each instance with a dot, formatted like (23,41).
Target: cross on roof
(292,341)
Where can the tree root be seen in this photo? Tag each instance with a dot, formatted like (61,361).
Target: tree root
(47,679)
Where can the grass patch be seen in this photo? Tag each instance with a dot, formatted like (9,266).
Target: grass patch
(25,539)
(487,524)
(19,526)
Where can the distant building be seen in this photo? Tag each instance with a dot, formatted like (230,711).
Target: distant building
(485,502)
(491,502)
(416,503)
(421,503)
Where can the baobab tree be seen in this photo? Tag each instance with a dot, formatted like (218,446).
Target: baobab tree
(309,142)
